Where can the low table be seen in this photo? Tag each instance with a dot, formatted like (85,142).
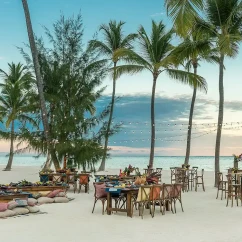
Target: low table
(10,197)
(35,189)
(129,192)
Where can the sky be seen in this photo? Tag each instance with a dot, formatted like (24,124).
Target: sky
(133,109)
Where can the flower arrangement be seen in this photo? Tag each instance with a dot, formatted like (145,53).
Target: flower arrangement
(234,169)
(129,170)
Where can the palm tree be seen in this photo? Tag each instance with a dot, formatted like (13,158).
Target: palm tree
(114,40)
(156,56)
(15,99)
(39,84)
(193,50)
(223,25)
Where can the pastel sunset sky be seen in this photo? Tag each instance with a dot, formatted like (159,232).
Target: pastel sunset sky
(133,108)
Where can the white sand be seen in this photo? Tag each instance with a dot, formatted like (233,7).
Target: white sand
(205,219)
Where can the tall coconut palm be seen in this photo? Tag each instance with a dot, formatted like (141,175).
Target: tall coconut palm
(114,40)
(15,100)
(156,56)
(223,25)
(39,83)
(221,22)
(192,51)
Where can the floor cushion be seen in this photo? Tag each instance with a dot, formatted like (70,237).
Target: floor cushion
(54,193)
(61,200)
(32,201)
(7,213)
(20,210)
(33,209)
(44,200)
(12,205)
(3,207)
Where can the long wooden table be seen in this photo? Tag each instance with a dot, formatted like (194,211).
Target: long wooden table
(129,192)
(35,189)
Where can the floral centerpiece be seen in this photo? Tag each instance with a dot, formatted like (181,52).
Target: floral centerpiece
(185,166)
(234,169)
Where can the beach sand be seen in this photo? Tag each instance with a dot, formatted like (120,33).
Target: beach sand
(204,218)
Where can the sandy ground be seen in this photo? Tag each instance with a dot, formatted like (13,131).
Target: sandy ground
(204,219)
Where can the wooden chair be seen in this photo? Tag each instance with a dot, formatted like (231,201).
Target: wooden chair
(173,174)
(84,181)
(97,197)
(56,179)
(201,182)
(143,200)
(182,178)
(159,170)
(166,197)
(222,185)
(71,180)
(176,195)
(234,191)
(156,198)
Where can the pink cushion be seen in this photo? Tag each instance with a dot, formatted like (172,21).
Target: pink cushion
(100,190)
(54,193)
(3,207)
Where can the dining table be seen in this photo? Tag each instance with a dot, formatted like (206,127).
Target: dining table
(128,192)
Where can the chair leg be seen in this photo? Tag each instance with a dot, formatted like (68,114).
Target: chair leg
(203,185)
(175,205)
(103,202)
(218,193)
(80,186)
(181,205)
(94,205)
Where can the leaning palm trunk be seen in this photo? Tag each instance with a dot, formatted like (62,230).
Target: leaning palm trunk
(10,159)
(39,84)
(189,131)
(152,140)
(48,162)
(220,116)
(102,166)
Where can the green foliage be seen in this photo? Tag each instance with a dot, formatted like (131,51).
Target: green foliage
(72,76)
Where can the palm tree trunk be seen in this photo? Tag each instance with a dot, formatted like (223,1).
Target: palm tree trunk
(102,166)
(10,159)
(152,116)
(189,131)
(220,116)
(39,84)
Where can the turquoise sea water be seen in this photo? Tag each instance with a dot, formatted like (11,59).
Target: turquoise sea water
(120,162)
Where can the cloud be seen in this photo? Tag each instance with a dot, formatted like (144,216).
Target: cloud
(171,114)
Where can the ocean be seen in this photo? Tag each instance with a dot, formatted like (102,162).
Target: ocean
(120,162)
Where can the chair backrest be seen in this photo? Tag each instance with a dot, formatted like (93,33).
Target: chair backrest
(144,193)
(220,177)
(176,190)
(159,170)
(71,178)
(202,172)
(167,191)
(99,189)
(84,179)
(56,178)
(195,168)
(156,192)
